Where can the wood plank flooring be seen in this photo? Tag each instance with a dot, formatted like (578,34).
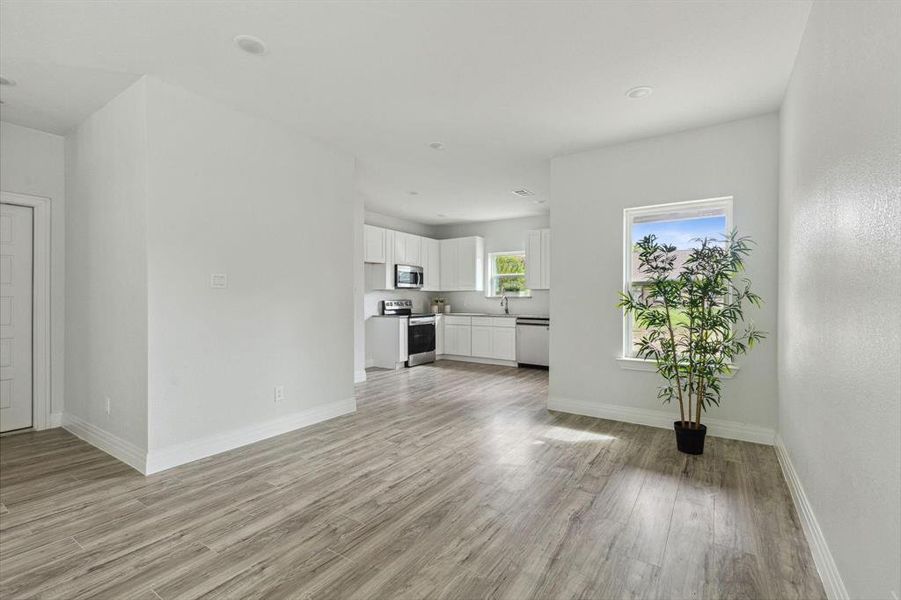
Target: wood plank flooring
(450,481)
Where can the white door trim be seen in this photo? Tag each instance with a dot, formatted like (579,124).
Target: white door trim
(41,299)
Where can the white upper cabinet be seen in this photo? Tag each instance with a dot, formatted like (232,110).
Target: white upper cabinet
(546,259)
(463,264)
(448,265)
(407,249)
(380,276)
(413,255)
(471,264)
(373,244)
(448,270)
(538,259)
(431,265)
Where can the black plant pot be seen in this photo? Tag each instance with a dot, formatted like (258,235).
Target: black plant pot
(688,439)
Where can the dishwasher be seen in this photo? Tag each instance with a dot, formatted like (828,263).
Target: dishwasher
(532,344)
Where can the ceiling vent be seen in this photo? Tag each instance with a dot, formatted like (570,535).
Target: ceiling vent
(523,193)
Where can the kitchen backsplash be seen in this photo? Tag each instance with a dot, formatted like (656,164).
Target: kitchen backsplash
(538,304)
(460,302)
(371,300)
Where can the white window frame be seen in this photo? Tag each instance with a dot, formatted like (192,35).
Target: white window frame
(724,203)
(490,271)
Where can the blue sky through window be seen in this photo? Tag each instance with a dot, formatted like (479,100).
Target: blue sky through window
(680,233)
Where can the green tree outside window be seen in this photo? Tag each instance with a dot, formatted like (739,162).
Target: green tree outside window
(509,275)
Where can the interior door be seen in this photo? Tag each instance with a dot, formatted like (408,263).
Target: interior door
(16,288)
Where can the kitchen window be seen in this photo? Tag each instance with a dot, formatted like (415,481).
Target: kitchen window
(681,224)
(507,274)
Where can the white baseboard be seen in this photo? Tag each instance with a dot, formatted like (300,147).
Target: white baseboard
(822,557)
(115,446)
(179,454)
(732,430)
(56,420)
(360,376)
(476,359)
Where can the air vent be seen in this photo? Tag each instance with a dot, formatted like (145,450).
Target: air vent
(523,193)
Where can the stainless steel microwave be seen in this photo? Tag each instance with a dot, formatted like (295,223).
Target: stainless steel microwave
(407,277)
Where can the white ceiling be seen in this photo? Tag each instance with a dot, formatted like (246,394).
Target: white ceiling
(504,85)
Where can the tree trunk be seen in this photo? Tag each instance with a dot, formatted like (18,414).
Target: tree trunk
(672,338)
(698,405)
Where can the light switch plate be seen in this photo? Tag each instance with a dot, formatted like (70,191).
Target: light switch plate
(219,280)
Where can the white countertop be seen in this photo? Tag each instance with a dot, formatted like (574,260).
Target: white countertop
(501,315)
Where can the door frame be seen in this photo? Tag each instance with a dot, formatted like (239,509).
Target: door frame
(40,313)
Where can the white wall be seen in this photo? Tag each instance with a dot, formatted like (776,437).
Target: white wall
(239,195)
(397,224)
(33,162)
(840,278)
(590,191)
(500,236)
(106,269)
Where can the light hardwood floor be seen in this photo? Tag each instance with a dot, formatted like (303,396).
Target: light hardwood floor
(450,481)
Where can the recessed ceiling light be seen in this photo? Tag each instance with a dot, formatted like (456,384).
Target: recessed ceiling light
(251,45)
(436,146)
(641,91)
(5,81)
(524,193)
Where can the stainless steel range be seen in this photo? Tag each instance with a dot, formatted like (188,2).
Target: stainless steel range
(420,331)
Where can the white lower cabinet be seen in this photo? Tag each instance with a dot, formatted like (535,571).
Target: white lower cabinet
(439,334)
(458,339)
(386,341)
(479,337)
(481,341)
(503,343)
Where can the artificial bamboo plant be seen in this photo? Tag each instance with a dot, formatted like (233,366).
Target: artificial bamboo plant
(691,317)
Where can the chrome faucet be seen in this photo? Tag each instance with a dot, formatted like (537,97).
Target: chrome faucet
(505,302)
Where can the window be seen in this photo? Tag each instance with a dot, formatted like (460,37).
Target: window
(680,224)
(507,272)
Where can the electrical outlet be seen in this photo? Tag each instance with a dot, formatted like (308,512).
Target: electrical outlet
(107,406)
(279,393)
